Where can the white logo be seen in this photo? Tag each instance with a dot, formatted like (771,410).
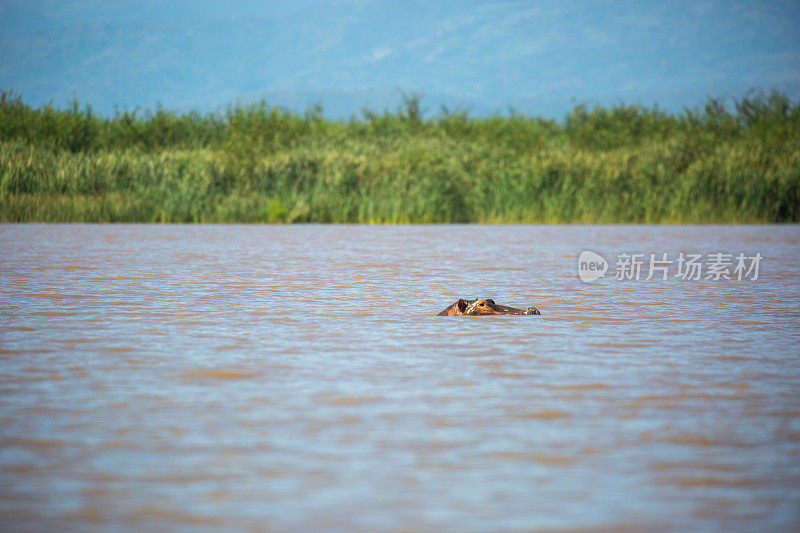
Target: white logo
(591,266)
(718,266)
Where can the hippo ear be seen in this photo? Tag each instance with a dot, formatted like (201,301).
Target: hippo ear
(489,300)
(461,305)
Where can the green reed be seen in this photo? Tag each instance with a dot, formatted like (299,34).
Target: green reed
(261,164)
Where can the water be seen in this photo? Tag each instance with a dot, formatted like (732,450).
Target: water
(294,378)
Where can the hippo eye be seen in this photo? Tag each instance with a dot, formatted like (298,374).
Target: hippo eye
(481,304)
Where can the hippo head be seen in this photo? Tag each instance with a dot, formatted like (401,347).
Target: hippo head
(486,306)
(482,306)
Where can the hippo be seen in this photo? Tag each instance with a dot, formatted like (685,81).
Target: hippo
(484,306)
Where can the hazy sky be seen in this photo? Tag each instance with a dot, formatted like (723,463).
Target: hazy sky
(539,56)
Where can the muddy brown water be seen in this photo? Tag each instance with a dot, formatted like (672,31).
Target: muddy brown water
(227,378)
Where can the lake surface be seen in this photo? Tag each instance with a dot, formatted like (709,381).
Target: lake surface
(220,378)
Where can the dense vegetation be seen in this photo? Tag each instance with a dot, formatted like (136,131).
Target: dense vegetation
(738,163)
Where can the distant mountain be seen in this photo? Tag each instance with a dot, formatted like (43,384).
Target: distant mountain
(539,57)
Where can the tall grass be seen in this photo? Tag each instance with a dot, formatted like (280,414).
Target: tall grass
(738,163)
